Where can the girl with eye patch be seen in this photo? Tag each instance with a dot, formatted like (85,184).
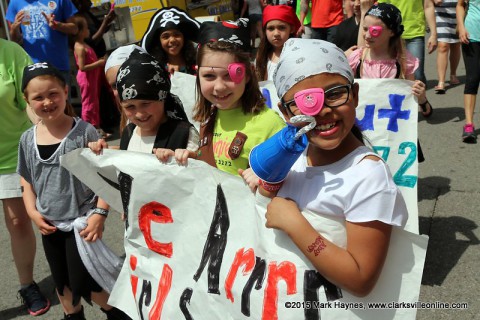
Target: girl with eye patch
(230,105)
(382,53)
(337,179)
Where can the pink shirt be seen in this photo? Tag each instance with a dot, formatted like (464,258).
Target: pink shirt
(374,69)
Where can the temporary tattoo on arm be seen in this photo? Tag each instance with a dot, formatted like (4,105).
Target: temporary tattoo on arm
(317,246)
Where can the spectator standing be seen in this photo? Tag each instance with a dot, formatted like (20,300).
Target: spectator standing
(469,34)
(13,122)
(255,8)
(448,42)
(307,25)
(109,114)
(41,27)
(326,16)
(347,30)
(88,75)
(96,27)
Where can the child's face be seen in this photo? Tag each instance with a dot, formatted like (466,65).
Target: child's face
(278,32)
(215,82)
(47,97)
(379,41)
(333,124)
(145,114)
(172,42)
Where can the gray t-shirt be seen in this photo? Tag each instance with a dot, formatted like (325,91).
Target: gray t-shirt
(254,7)
(60,195)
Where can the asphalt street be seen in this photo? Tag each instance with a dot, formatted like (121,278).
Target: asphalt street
(449,213)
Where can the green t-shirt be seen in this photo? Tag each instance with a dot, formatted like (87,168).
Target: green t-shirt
(258,128)
(13,118)
(413,17)
(308,17)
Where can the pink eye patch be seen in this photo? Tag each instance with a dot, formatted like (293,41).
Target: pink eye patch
(236,71)
(375,31)
(310,101)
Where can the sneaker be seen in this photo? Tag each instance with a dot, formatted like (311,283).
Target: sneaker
(35,301)
(468,135)
(115,314)
(75,316)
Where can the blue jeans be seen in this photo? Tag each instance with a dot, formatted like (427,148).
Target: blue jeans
(416,46)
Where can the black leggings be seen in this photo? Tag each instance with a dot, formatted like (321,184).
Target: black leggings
(67,267)
(471,58)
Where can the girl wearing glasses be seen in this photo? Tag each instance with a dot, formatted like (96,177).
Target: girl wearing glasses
(337,179)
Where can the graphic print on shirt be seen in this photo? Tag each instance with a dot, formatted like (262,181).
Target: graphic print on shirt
(221,143)
(38,27)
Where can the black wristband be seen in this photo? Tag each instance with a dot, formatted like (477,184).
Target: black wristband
(101,211)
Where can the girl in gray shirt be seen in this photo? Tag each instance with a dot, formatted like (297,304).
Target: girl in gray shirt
(53,197)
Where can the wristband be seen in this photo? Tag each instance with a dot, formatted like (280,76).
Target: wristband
(100,211)
(272,187)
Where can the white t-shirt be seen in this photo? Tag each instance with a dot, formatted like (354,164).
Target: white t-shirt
(270,69)
(351,189)
(145,143)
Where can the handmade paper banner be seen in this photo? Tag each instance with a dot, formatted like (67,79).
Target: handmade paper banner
(197,248)
(387,114)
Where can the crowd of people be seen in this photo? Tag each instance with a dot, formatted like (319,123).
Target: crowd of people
(376,40)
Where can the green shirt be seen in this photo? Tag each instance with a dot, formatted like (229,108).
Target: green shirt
(413,17)
(258,128)
(13,118)
(308,17)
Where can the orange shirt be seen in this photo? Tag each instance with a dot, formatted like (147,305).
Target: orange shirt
(326,13)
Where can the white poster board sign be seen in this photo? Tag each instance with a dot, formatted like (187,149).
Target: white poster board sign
(197,248)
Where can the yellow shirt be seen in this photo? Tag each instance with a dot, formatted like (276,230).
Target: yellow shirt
(258,128)
(413,17)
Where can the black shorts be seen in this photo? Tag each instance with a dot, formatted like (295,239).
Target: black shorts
(67,267)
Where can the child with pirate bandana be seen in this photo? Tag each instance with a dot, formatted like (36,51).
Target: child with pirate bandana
(337,184)
(157,120)
(384,54)
(230,105)
(279,24)
(67,213)
(169,38)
